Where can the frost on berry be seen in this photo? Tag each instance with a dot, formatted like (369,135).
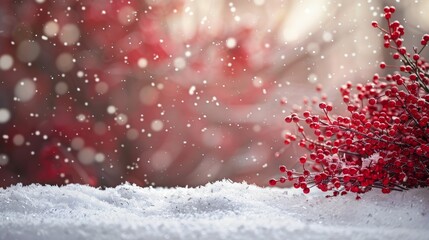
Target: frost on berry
(383,140)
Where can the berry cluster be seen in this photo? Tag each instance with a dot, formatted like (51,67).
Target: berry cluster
(382,141)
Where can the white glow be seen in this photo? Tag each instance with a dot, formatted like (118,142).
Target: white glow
(157,125)
(111,109)
(4,115)
(148,95)
(99,157)
(51,29)
(142,63)
(259,2)
(61,88)
(18,140)
(77,143)
(64,62)
(69,34)
(28,51)
(6,62)
(127,15)
(25,90)
(101,88)
(121,119)
(231,42)
(4,159)
(132,134)
(86,155)
(303,18)
(161,160)
(179,63)
(191,90)
(312,78)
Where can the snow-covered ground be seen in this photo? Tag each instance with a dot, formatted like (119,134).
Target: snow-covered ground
(222,210)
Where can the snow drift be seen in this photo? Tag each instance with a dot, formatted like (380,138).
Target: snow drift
(222,210)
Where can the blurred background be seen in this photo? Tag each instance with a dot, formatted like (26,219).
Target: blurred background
(171,93)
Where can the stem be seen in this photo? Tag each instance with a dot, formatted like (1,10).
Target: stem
(416,71)
(421,50)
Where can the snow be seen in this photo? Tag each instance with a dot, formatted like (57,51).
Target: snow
(221,210)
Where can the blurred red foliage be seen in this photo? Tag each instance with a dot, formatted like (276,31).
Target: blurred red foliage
(102,92)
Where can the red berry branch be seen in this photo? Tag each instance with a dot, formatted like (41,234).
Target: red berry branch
(383,139)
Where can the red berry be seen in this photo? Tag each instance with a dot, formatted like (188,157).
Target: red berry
(386,9)
(385,190)
(351,108)
(408,68)
(374,24)
(337,184)
(387,16)
(382,65)
(396,56)
(372,101)
(306,190)
(272,182)
(306,173)
(398,42)
(306,114)
(386,44)
(400,81)
(283,168)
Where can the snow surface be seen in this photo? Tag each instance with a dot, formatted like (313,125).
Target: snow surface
(222,210)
